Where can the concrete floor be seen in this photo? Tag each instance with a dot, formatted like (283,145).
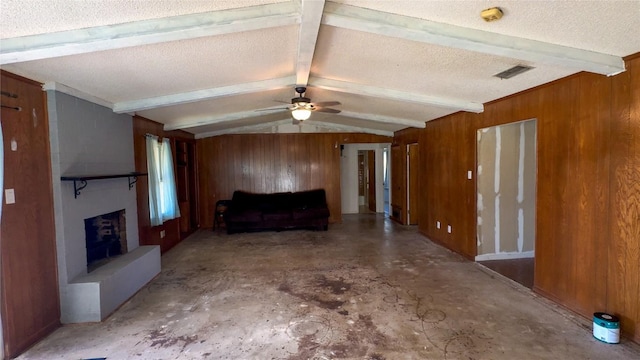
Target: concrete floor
(365,289)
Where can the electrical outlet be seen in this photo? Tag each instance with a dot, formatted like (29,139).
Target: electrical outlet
(449,229)
(162,233)
(437,224)
(10,196)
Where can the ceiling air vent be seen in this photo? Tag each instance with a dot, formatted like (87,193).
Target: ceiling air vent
(516,70)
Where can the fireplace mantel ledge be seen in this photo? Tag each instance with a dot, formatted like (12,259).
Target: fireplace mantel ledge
(82,179)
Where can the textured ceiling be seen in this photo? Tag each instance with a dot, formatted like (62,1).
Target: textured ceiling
(174,67)
(28,17)
(207,66)
(601,25)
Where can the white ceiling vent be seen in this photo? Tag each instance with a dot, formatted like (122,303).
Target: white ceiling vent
(516,70)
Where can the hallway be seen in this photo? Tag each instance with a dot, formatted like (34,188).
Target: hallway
(366,289)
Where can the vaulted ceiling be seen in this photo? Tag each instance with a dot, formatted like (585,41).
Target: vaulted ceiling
(218,67)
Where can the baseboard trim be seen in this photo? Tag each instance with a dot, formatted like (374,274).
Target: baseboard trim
(506,256)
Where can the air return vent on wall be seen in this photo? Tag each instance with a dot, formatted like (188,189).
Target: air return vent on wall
(516,70)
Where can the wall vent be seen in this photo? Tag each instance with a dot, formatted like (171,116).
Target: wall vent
(516,70)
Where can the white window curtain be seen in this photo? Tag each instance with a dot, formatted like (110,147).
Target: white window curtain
(163,198)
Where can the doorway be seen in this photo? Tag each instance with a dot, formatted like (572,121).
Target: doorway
(362,177)
(385,182)
(506,194)
(366,181)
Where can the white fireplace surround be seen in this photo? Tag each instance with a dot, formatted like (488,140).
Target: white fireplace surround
(89,139)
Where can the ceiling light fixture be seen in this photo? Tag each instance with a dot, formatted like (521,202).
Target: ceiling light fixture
(301,114)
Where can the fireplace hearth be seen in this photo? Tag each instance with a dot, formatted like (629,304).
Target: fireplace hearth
(106,238)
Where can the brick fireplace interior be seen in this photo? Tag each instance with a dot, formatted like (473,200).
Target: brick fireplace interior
(106,238)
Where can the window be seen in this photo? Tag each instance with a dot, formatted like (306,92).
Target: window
(163,199)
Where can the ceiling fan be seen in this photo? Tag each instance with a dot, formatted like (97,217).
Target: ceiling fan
(301,106)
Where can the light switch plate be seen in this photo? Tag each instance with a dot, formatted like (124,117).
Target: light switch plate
(437,224)
(10,196)
(449,229)
(469,175)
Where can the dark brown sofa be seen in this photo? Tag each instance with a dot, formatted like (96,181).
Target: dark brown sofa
(278,211)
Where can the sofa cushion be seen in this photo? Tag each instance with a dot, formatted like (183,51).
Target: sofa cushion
(250,211)
(310,213)
(242,200)
(247,215)
(309,199)
(275,202)
(277,215)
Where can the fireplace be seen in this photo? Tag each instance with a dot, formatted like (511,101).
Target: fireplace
(106,238)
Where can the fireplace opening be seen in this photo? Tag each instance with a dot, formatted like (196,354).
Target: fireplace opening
(106,238)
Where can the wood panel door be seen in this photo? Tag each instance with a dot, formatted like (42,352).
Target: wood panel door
(371,179)
(30,301)
(362,186)
(397,183)
(186,185)
(413,165)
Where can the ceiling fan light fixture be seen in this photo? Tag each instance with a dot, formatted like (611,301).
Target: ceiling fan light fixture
(301,114)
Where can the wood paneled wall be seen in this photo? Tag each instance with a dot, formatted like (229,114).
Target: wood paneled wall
(623,235)
(151,235)
(30,301)
(588,189)
(447,149)
(398,159)
(267,163)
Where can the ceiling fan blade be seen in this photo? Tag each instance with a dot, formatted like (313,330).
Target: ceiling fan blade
(272,109)
(326,103)
(295,122)
(328,110)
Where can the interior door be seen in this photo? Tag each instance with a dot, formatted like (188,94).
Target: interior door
(186,186)
(397,183)
(362,185)
(371,175)
(412,183)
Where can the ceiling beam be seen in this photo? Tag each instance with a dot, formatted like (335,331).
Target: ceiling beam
(311,14)
(200,95)
(348,128)
(242,129)
(405,27)
(353,88)
(173,28)
(384,119)
(54,86)
(209,120)
(269,125)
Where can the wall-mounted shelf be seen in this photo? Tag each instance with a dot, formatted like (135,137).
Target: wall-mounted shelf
(80,181)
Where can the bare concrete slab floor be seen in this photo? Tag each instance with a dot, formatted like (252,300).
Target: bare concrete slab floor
(365,289)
